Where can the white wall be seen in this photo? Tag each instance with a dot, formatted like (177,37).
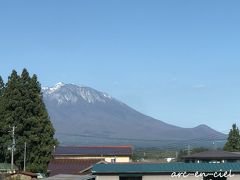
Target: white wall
(153,177)
(168,177)
(162,177)
(235,177)
(119,159)
(107,178)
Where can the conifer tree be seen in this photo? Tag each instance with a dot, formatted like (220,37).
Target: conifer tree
(11,109)
(233,141)
(24,108)
(1,117)
(1,86)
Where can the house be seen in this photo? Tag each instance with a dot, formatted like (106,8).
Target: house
(215,156)
(167,171)
(108,153)
(79,160)
(72,166)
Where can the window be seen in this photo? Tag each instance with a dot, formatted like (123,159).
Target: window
(113,160)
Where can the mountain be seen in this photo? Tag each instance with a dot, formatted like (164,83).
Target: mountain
(85,116)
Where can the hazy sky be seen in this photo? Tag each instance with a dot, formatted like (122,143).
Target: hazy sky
(177,61)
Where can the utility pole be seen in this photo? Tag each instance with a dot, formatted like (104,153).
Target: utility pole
(176,155)
(25,151)
(214,145)
(12,148)
(189,149)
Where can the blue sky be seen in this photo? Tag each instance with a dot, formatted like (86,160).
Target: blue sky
(177,61)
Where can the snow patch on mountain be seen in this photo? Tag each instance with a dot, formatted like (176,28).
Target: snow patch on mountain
(70,93)
(50,90)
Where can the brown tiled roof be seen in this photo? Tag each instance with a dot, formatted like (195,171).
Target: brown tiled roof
(94,151)
(70,166)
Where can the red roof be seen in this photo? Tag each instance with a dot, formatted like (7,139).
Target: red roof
(93,151)
(70,166)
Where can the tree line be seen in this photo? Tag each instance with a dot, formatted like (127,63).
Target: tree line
(22,106)
(233,141)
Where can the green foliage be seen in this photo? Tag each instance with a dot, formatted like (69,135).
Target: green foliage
(1,86)
(1,117)
(233,141)
(23,107)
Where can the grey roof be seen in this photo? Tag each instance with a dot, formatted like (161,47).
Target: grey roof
(70,177)
(213,155)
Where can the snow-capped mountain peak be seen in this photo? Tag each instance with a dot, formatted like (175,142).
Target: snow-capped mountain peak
(50,90)
(70,93)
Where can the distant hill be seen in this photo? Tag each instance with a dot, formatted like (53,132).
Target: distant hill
(85,116)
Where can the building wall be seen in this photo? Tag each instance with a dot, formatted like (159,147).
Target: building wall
(107,178)
(168,177)
(117,159)
(235,177)
(106,158)
(162,177)
(18,176)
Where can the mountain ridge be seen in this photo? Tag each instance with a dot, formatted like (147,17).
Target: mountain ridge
(92,112)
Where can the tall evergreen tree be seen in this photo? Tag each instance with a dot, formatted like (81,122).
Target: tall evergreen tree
(233,141)
(11,110)
(1,117)
(42,131)
(24,108)
(1,86)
